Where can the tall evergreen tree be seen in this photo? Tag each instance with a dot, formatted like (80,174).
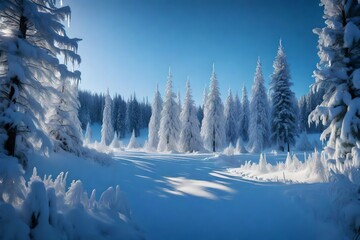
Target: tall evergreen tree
(154,124)
(283,111)
(121,117)
(107,129)
(244,116)
(237,115)
(259,129)
(213,125)
(190,139)
(88,134)
(63,123)
(338,74)
(170,123)
(230,124)
(133,115)
(32,36)
(303,115)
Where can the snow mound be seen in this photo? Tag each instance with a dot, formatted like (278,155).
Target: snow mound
(45,209)
(313,169)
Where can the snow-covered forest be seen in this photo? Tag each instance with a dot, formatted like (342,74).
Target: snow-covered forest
(76,164)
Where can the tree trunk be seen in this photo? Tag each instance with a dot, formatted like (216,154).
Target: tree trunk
(288,147)
(10,143)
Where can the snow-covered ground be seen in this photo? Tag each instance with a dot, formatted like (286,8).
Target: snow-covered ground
(184,196)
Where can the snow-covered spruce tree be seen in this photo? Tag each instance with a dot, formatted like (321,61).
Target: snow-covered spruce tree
(32,37)
(132,142)
(169,123)
(62,119)
(107,130)
(283,111)
(303,115)
(133,115)
(200,110)
(237,114)
(230,124)
(338,74)
(244,116)
(190,139)
(154,124)
(178,101)
(213,124)
(259,129)
(88,134)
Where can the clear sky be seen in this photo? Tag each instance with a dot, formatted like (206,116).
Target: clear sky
(128,45)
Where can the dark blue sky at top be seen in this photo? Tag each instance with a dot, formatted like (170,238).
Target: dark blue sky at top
(128,45)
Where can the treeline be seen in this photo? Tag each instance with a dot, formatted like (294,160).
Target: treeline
(252,124)
(127,115)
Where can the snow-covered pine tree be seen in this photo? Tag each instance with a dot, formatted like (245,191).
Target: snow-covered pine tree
(154,124)
(169,123)
(213,124)
(230,124)
(244,116)
(107,130)
(133,115)
(205,95)
(178,101)
(237,114)
(190,139)
(115,143)
(62,121)
(88,133)
(121,117)
(32,37)
(200,111)
(259,129)
(303,115)
(338,74)
(132,142)
(283,111)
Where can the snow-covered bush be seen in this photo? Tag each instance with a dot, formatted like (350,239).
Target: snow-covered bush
(229,151)
(240,146)
(315,168)
(115,143)
(132,142)
(48,211)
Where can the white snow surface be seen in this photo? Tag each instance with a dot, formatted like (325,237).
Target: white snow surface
(196,196)
(192,196)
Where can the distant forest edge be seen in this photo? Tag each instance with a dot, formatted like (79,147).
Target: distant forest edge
(127,115)
(132,114)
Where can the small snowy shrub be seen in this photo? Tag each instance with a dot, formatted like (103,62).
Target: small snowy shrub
(48,211)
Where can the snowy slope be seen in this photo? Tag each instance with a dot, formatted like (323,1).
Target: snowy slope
(193,197)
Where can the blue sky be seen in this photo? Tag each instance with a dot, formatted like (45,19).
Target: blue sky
(128,45)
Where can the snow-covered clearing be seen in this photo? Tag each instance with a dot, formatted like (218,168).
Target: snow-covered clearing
(185,196)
